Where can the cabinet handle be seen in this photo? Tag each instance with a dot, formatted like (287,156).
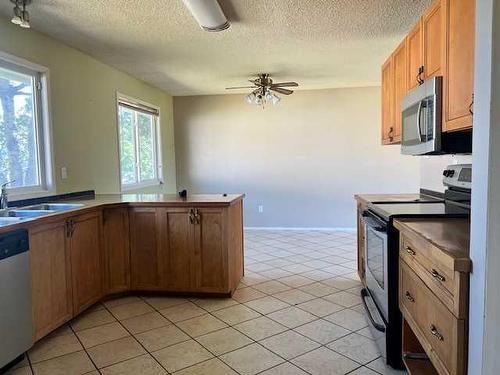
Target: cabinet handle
(471,106)
(191,216)
(70,228)
(197,216)
(409,297)
(435,274)
(436,333)
(410,251)
(420,72)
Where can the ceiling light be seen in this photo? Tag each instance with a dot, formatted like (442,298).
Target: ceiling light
(21,17)
(208,14)
(26,20)
(16,18)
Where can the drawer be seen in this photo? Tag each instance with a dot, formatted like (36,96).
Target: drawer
(443,332)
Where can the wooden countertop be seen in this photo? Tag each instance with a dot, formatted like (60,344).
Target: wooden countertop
(452,236)
(130,200)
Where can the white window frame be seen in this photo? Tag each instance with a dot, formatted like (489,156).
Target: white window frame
(157,144)
(43,127)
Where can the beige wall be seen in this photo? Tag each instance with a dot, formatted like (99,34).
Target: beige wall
(302,160)
(83,107)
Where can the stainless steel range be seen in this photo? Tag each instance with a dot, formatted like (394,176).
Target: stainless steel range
(380,297)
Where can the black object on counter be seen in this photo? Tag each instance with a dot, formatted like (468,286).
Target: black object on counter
(183,193)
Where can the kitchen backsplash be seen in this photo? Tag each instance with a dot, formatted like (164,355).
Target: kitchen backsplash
(431,169)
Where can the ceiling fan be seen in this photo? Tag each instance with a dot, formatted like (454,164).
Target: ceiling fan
(265,90)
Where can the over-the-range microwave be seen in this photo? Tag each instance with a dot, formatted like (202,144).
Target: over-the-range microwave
(421,119)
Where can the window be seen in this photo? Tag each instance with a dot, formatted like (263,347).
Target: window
(138,143)
(23,131)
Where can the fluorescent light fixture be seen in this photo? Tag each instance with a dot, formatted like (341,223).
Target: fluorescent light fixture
(208,14)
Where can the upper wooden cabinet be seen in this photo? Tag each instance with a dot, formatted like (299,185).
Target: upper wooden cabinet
(388,118)
(400,86)
(50,277)
(433,37)
(414,48)
(116,250)
(459,75)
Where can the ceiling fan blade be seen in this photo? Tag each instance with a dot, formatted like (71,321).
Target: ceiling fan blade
(285,84)
(281,91)
(239,87)
(256,82)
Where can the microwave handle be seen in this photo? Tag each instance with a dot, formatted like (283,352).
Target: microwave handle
(419,115)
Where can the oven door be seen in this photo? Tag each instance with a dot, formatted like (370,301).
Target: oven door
(376,261)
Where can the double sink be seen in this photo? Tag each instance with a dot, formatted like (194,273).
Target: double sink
(15,215)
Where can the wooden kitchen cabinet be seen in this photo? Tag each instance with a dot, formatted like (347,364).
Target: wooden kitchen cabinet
(388,117)
(459,76)
(86,259)
(146,266)
(50,277)
(400,86)
(116,250)
(433,36)
(414,44)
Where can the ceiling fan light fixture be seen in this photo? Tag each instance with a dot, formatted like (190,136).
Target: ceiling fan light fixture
(250,98)
(16,18)
(26,20)
(208,14)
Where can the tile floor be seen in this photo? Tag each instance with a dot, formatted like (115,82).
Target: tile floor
(297,311)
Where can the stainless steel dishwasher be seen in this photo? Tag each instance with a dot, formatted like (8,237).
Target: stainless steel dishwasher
(16,326)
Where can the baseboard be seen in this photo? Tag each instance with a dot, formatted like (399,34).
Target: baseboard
(324,229)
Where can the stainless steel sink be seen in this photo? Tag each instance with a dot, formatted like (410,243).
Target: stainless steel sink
(9,220)
(29,213)
(51,207)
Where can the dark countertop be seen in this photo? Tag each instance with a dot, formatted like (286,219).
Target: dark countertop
(451,236)
(393,198)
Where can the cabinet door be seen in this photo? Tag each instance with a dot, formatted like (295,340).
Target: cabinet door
(50,277)
(86,260)
(388,102)
(116,249)
(177,248)
(145,260)
(415,61)
(459,80)
(400,86)
(210,254)
(433,28)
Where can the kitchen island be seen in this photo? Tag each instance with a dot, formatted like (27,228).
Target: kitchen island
(146,243)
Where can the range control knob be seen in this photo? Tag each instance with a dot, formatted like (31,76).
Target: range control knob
(451,173)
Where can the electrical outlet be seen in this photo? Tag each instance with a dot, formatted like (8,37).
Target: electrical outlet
(261,208)
(64,173)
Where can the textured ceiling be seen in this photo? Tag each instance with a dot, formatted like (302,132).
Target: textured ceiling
(318,43)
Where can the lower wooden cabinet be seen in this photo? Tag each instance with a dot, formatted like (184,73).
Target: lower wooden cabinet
(50,277)
(86,259)
(116,271)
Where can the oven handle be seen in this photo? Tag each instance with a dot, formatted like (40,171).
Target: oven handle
(378,326)
(419,115)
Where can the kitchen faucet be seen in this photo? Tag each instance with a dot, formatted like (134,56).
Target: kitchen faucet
(4,201)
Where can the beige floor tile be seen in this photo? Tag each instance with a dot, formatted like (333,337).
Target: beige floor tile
(62,330)
(182,312)
(284,369)
(54,346)
(121,301)
(294,296)
(251,359)
(247,294)
(349,319)
(253,278)
(115,351)
(296,281)
(380,367)
(130,310)
(260,328)
(289,344)
(211,367)
(201,325)
(323,361)
(214,304)
(317,275)
(223,341)
(363,371)
(25,370)
(320,307)
(277,273)
(99,335)
(162,337)
(179,356)
(356,347)
(92,319)
(292,317)
(341,283)
(271,287)
(74,363)
(142,365)
(322,331)
(146,322)
(236,314)
(267,305)
(318,289)
(344,299)
(160,303)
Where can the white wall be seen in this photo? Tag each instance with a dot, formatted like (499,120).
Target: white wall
(302,160)
(432,167)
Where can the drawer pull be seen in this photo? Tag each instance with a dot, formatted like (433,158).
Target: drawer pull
(409,297)
(435,274)
(410,251)
(436,333)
